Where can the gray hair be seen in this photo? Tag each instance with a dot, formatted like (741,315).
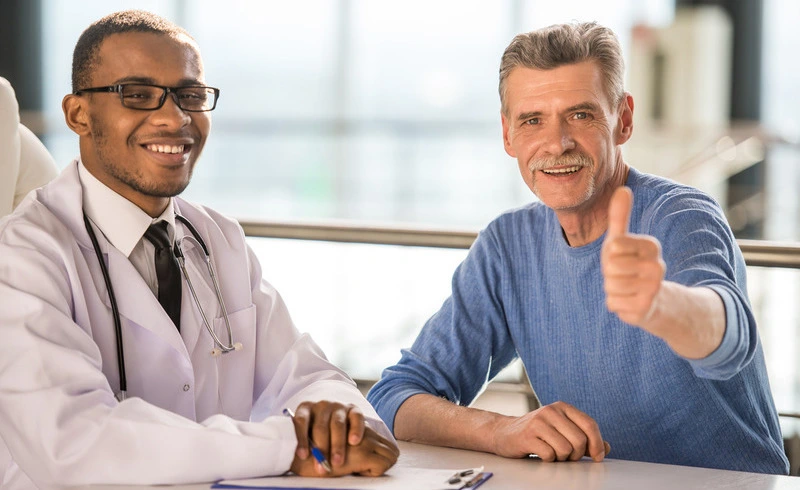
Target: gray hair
(565,44)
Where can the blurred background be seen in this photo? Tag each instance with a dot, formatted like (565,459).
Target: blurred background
(384,113)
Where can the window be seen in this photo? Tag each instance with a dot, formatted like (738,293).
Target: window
(348,109)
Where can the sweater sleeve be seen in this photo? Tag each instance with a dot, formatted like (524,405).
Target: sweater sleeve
(461,347)
(700,251)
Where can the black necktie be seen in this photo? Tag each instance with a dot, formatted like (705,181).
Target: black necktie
(169,277)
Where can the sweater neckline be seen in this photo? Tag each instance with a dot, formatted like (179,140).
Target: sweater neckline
(557,233)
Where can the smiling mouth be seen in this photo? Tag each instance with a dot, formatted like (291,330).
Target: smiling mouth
(169,149)
(562,170)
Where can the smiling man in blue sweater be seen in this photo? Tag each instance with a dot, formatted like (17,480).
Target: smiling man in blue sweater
(623,293)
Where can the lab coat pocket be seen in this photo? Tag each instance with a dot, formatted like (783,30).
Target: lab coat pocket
(236,369)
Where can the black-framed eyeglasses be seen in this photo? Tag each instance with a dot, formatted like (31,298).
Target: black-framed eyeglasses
(147,97)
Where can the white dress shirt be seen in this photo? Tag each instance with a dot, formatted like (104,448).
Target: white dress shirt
(123,223)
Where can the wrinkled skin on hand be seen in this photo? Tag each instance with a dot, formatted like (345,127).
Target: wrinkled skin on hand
(555,432)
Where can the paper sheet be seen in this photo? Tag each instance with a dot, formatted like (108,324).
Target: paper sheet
(397,478)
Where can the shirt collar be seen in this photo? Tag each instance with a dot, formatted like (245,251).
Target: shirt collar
(122,222)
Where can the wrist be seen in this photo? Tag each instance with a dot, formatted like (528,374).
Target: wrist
(498,433)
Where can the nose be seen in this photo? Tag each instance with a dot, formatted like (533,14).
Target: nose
(170,114)
(557,138)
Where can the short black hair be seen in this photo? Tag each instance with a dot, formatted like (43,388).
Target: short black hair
(84,58)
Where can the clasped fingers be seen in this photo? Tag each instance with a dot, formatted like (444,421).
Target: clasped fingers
(332,426)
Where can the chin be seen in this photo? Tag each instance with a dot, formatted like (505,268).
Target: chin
(163,189)
(562,201)
(178,189)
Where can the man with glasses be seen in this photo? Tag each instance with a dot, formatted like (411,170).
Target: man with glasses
(623,294)
(111,371)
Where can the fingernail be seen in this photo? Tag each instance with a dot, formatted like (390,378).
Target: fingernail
(302,453)
(338,459)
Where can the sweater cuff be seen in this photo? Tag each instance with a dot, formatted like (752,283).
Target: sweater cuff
(714,365)
(389,404)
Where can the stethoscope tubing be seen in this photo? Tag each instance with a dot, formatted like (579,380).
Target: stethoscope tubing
(220,347)
(123,379)
(182,264)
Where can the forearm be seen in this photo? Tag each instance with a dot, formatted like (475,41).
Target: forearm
(690,319)
(432,420)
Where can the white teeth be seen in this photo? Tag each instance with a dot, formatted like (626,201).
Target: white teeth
(165,148)
(566,170)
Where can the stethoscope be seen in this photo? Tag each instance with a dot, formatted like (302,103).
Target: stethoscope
(219,346)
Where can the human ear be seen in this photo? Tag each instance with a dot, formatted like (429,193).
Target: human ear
(506,138)
(625,120)
(75,114)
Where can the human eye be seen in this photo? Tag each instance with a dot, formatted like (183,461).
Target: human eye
(533,121)
(195,98)
(193,94)
(139,92)
(582,116)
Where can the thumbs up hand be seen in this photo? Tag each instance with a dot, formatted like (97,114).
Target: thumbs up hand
(633,269)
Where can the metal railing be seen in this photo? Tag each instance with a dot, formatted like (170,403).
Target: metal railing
(756,252)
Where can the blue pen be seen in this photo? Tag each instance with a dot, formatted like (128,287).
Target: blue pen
(314,449)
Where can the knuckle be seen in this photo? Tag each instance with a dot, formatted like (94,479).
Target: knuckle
(548,410)
(581,444)
(547,454)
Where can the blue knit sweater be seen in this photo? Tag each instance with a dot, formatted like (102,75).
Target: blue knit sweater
(524,292)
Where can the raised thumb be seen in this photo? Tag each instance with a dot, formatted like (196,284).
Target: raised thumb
(619,212)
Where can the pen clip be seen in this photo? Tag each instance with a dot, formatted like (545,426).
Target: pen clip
(473,481)
(458,476)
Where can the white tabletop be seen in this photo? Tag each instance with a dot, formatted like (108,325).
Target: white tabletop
(587,475)
(516,474)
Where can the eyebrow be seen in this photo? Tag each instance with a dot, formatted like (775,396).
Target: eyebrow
(584,106)
(528,115)
(184,82)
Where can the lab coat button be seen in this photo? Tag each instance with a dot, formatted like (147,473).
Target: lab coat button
(186,387)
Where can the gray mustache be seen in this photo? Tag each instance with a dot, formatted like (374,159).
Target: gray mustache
(568,160)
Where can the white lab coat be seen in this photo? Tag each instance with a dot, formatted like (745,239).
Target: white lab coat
(190,417)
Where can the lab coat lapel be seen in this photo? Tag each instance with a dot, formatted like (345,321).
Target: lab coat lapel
(136,301)
(64,198)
